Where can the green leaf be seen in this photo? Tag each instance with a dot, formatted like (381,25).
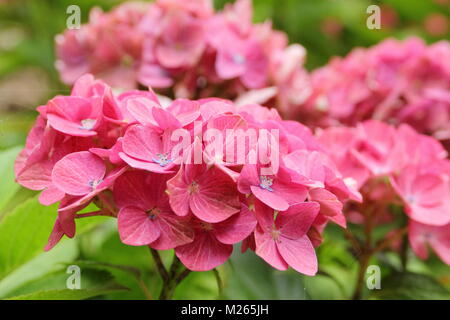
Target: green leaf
(44,263)
(8,187)
(411,286)
(67,294)
(24,233)
(90,280)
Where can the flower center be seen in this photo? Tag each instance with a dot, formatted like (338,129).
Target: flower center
(94,183)
(410,199)
(266,183)
(275,234)
(206,226)
(153,213)
(179,46)
(87,124)
(238,58)
(162,159)
(193,188)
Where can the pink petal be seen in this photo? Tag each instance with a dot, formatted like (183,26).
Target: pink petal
(236,228)
(136,228)
(329,203)
(50,195)
(55,236)
(290,192)
(153,75)
(418,239)
(266,248)
(217,198)
(226,65)
(255,75)
(270,198)
(165,119)
(175,232)
(204,253)
(144,165)
(141,109)
(142,143)
(186,111)
(37,176)
(437,216)
(299,254)
(130,189)
(297,220)
(78,173)
(67,222)
(178,194)
(307,164)
(214,107)
(66,113)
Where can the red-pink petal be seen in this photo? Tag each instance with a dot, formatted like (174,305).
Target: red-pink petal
(270,198)
(142,143)
(78,173)
(297,220)
(266,248)
(329,203)
(178,194)
(50,195)
(204,253)
(175,232)
(136,228)
(236,228)
(217,198)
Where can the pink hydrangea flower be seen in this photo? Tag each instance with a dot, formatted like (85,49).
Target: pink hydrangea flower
(145,216)
(422,236)
(109,46)
(278,191)
(185,49)
(174,178)
(425,195)
(392,167)
(393,81)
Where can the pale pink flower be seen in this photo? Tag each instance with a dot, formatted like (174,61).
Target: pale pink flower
(422,236)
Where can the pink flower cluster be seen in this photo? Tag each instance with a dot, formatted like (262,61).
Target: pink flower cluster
(122,153)
(183,49)
(394,81)
(396,168)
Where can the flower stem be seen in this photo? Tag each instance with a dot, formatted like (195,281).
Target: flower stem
(172,278)
(363,263)
(159,265)
(219,281)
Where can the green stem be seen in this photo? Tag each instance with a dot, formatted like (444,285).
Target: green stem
(159,265)
(219,281)
(363,264)
(171,279)
(404,252)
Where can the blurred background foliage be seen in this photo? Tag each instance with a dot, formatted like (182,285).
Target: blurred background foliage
(112,270)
